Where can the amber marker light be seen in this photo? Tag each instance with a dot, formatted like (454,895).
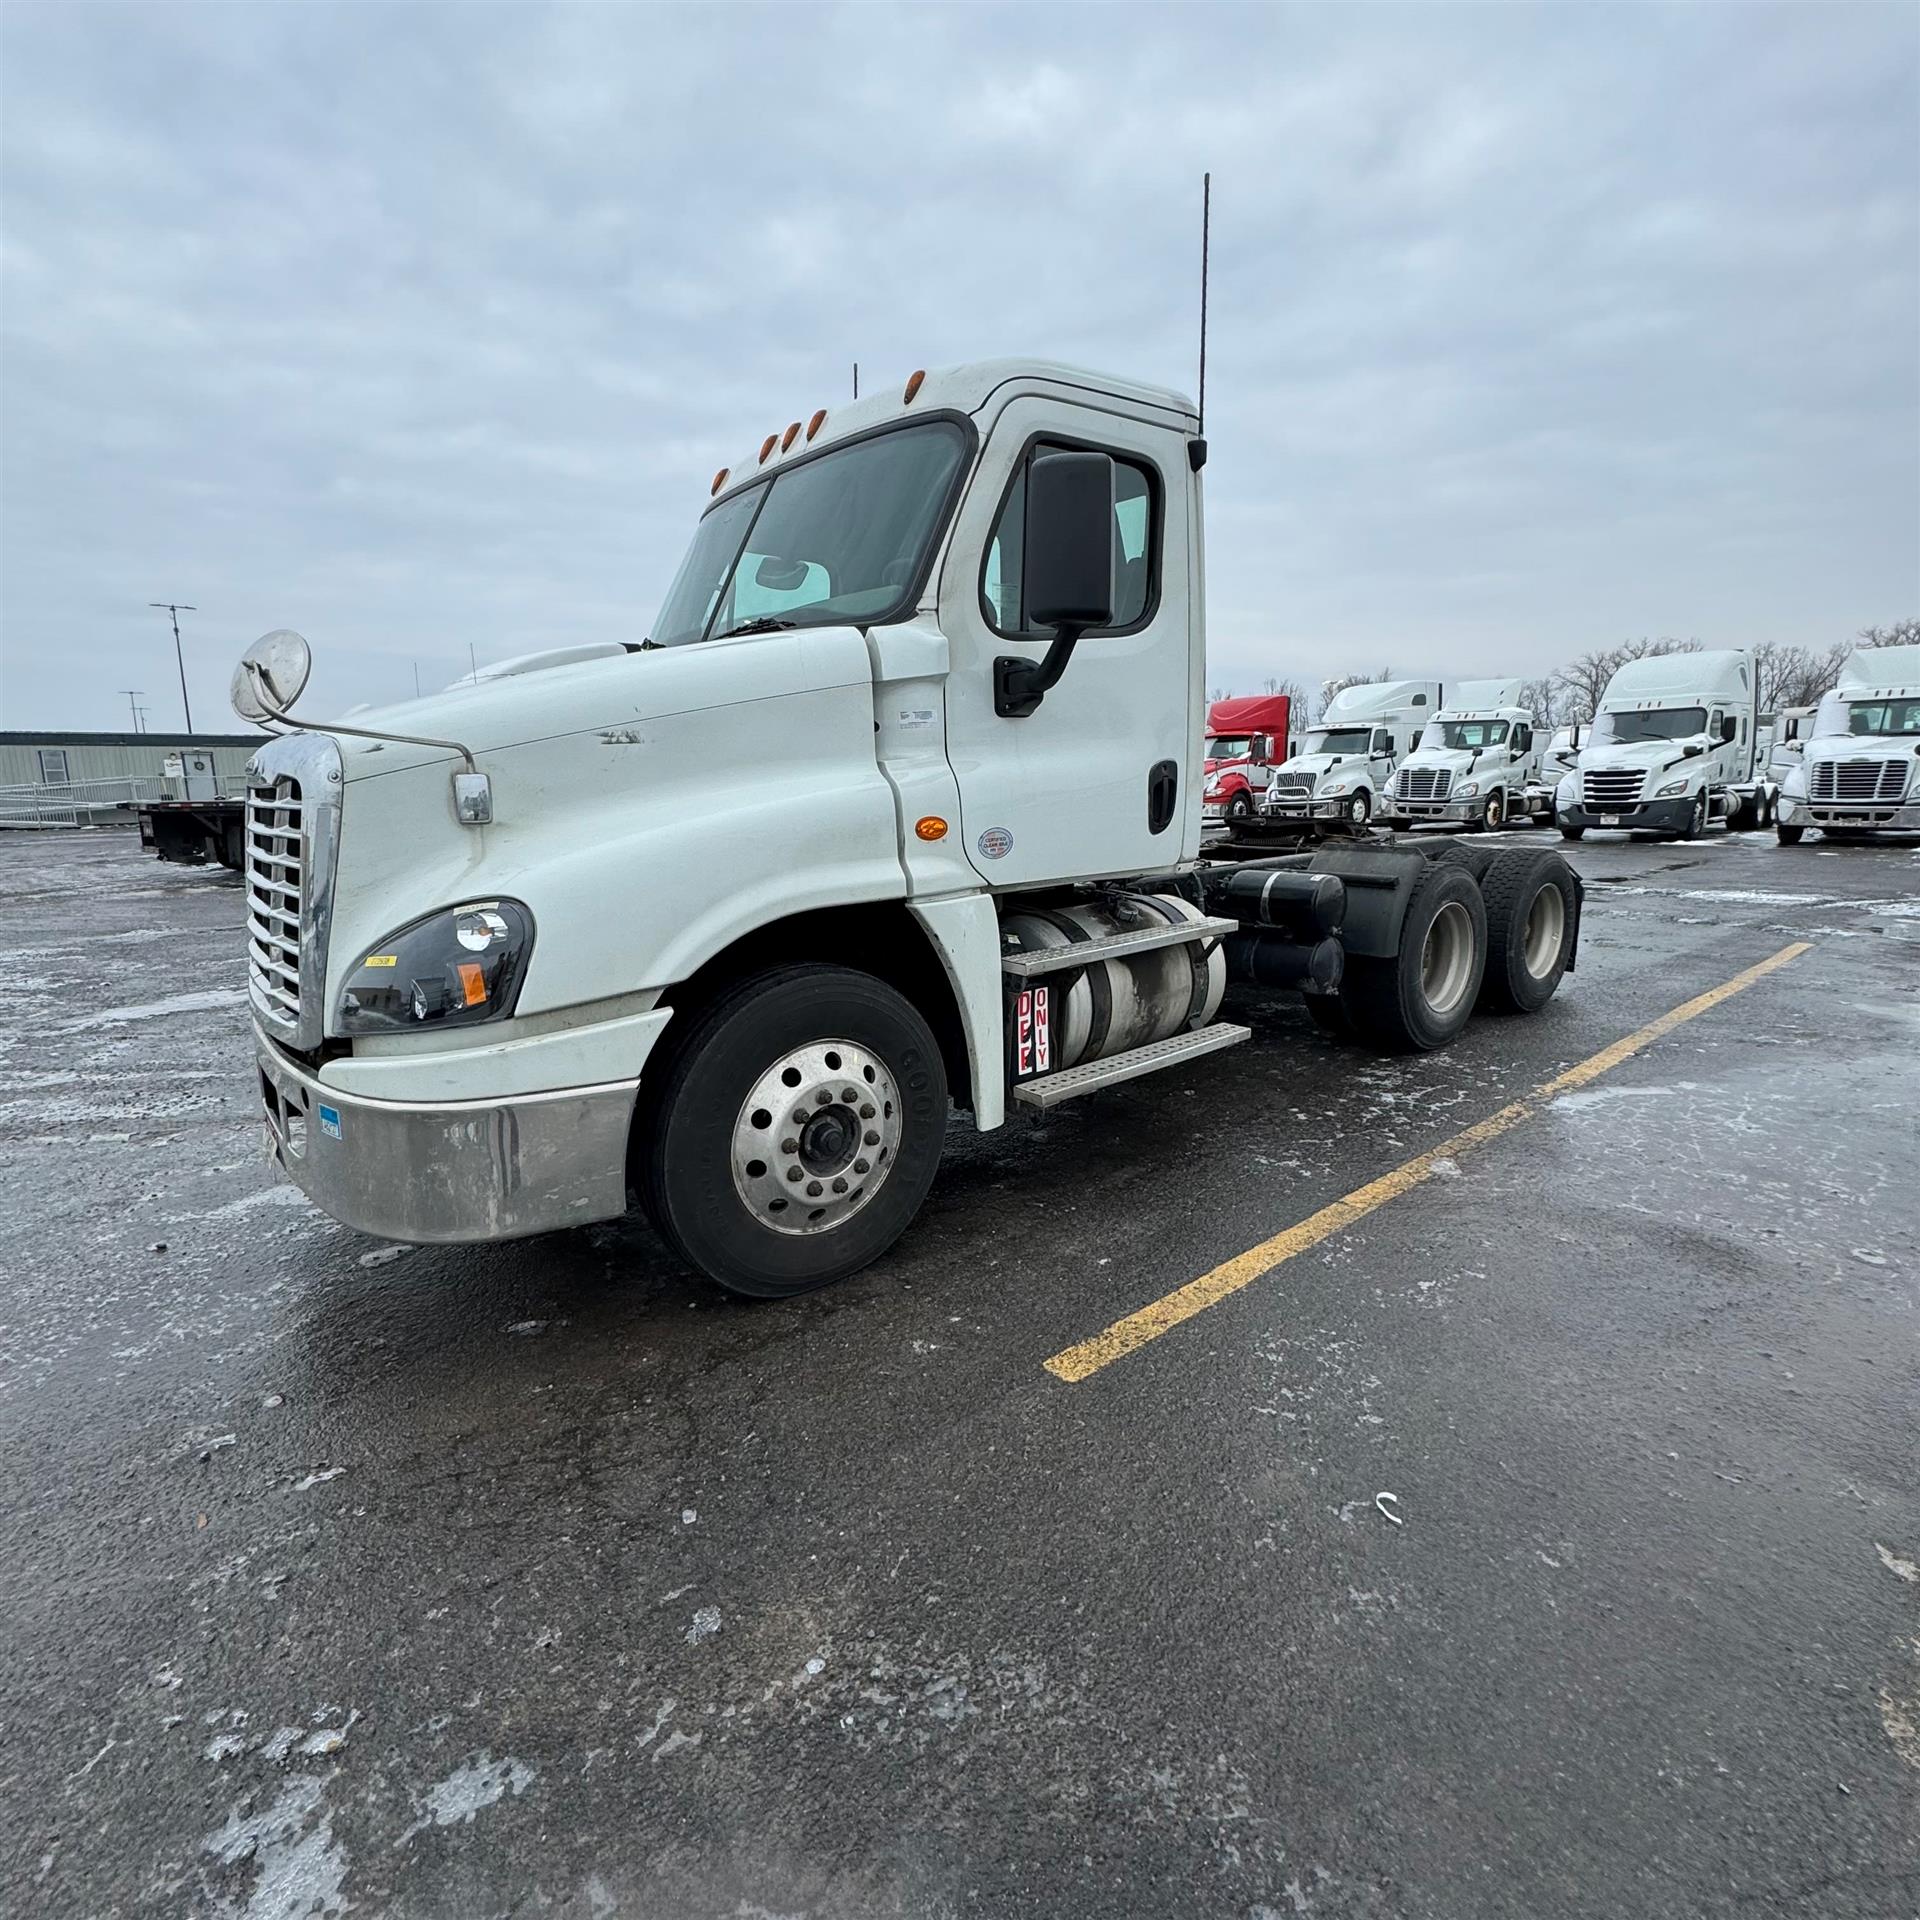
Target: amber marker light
(913,384)
(473,982)
(818,421)
(719,481)
(930,827)
(767,446)
(790,436)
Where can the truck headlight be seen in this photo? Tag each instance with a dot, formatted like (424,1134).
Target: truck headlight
(1467,789)
(1672,788)
(457,967)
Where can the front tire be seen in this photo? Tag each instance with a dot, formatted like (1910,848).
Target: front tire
(1789,836)
(1495,816)
(1240,809)
(1570,832)
(1360,811)
(796,1130)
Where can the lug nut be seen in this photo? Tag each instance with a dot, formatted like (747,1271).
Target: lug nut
(793,1173)
(866,1109)
(823,1098)
(839,1186)
(789,1146)
(860,1166)
(813,1189)
(871,1138)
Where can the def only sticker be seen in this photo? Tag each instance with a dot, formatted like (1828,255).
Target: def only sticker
(995,843)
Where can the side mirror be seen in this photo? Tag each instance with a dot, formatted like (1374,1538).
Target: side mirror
(1692,750)
(1069,540)
(1069,570)
(1728,728)
(780,576)
(271,676)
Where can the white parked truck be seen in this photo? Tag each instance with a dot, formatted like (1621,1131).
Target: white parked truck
(530,946)
(1476,763)
(1672,748)
(1344,766)
(1858,775)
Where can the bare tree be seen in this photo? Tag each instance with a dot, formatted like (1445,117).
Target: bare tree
(1903,633)
(1541,699)
(1793,676)
(1287,690)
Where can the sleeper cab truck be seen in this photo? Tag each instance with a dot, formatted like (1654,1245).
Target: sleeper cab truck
(1858,773)
(1476,764)
(528,949)
(1346,762)
(1673,748)
(1247,738)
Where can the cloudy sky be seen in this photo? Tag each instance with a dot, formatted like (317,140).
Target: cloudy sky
(421,328)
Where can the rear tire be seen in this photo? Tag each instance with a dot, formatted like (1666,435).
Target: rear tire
(1532,911)
(774,1224)
(1420,998)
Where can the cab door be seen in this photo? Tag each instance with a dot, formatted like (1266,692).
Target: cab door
(1102,777)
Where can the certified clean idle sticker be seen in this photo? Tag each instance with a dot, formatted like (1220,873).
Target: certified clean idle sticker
(916,716)
(995,843)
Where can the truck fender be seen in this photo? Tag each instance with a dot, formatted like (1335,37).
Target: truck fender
(1379,883)
(964,929)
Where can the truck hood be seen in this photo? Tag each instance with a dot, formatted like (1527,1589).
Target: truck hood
(1645,756)
(1860,746)
(1458,761)
(612,699)
(1320,764)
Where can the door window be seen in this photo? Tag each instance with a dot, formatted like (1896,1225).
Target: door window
(1135,551)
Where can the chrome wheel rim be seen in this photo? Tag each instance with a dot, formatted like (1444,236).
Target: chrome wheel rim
(816,1138)
(1546,928)
(1357,809)
(1446,958)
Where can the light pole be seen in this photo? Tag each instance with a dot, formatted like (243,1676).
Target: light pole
(176,608)
(133,693)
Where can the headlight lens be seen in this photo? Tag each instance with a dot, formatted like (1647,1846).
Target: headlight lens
(454,968)
(1670,789)
(1467,789)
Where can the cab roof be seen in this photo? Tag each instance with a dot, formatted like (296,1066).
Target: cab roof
(968,389)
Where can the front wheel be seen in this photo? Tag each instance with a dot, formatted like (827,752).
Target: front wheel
(1568,832)
(796,1130)
(1789,836)
(1360,811)
(1495,816)
(1697,819)
(1240,808)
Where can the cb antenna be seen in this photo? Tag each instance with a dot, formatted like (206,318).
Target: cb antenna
(1206,224)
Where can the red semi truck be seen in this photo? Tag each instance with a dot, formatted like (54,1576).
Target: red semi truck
(1246,739)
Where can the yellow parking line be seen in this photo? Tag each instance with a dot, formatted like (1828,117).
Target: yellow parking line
(1162,1316)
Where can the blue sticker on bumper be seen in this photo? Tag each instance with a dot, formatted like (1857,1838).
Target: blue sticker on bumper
(330,1121)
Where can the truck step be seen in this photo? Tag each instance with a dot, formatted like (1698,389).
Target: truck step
(1113,946)
(1052,1088)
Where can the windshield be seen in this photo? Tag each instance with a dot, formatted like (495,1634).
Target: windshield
(1867,716)
(1339,739)
(1468,736)
(1229,746)
(1673,723)
(841,539)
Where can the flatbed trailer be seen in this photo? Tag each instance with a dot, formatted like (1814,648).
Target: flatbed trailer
(196,833)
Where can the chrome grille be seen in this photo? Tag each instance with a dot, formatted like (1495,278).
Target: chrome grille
(1606,789)
(1423,783)
(276,869)
(1857,780)
(1293,782)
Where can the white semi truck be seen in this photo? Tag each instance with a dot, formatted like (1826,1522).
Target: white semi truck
(1673,747)
(1342,771)
(1476,764)
(1858,774)
(527,947)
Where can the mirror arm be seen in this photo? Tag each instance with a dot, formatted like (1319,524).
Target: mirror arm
(278,712)
(1019,684)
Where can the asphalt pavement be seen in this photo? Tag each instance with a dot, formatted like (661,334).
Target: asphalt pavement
(543,1579)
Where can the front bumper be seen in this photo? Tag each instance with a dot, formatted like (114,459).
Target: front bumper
(1885,816)
(1414,811)
(1650,816)
(451,1170)
(1304,807)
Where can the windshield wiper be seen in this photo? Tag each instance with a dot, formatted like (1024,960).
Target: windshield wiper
(761,623)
